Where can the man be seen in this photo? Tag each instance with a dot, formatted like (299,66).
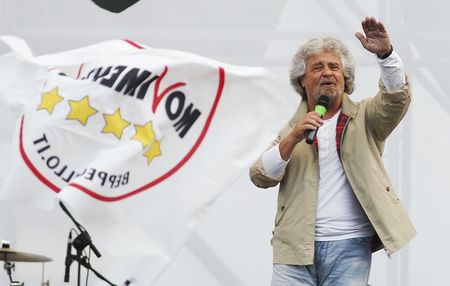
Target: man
(336,204)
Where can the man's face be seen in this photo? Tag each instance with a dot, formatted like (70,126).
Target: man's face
(323,76)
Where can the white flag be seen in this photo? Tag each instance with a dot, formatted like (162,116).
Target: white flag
(137,142)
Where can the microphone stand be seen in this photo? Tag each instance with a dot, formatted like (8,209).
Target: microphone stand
(79,243)
(84,261)
(83,239)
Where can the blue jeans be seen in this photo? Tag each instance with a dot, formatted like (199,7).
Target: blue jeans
(336,263)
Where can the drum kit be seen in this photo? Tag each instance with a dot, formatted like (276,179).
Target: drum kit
(9,256)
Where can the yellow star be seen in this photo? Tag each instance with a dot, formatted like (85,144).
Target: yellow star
(115,124)
(153,151)
(49,99)
(80,110)
(144,134)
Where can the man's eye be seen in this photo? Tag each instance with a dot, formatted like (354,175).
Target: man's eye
(335,68)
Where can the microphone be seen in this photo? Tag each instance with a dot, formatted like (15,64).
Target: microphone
(321,108)
(68,258)
(83,240)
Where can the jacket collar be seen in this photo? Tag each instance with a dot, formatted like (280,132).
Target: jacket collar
(348,107)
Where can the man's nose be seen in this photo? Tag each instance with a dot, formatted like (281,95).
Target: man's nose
(327,71)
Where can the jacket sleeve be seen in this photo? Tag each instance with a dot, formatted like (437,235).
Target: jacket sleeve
(258,174)
(386,110)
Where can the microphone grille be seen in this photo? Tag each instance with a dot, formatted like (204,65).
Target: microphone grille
(323,101)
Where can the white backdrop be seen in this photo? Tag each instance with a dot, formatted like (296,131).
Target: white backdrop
(231,247)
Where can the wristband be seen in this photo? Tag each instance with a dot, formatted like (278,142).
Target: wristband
(383,56)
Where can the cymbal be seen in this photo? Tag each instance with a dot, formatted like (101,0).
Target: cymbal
(7,254)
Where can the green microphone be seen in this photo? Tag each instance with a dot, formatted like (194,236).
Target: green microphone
(321,108)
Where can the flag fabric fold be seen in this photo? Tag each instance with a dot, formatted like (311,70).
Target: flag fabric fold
(137,142)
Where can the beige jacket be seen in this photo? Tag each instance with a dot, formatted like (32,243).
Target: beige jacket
(370,122)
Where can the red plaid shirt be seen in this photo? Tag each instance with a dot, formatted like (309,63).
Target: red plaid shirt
(340,125)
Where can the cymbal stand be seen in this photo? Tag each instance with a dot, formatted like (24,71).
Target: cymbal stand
(8,266)
(46,283)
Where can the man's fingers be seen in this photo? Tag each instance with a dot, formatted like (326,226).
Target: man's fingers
(314,120)
(365,26)
(381,27)
(372,23)
(309,127)
(361,38)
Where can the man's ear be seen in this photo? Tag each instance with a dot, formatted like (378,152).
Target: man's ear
(300,81)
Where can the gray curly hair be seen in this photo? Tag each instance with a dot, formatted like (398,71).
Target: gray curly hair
(317,45)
